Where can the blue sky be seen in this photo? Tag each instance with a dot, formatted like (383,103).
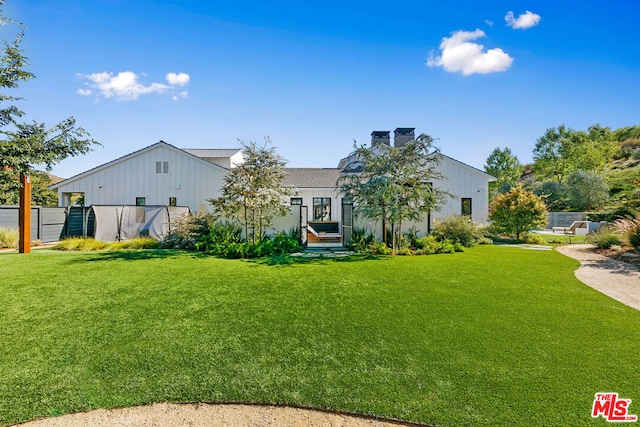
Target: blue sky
(315,76)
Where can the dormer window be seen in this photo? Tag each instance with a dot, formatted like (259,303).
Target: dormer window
(162,167)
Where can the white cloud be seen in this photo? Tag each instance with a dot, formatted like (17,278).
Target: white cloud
(84,92)
(460,54)
(181,95)
(124,86)
(180,79)
(488,22)
(522,22)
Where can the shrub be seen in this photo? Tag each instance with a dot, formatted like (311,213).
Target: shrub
(404,242)
(428,245)
(629,228)
(137,243)
(9,237)
(604,237)
(219,233)
(404,251)
(458,229)
(532,238)
(485,241)
(620,213)
(378,249)
(489,231)
(361,239)
(81,244)
(412,235)
(635,155)
(186,231)
(285,244)
(90,244)
(446,247)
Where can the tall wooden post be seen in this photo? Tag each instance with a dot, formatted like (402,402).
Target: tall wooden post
(24,215)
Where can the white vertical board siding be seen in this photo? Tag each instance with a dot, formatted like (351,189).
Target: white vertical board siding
(191,180)
(463,181)
(287,222)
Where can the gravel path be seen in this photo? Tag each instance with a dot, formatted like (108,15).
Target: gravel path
(617,279)
(202,414)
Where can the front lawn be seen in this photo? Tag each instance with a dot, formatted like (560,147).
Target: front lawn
(492,336)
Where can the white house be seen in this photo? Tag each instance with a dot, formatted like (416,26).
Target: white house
(162,174)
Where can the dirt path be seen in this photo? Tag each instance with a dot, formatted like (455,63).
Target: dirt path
(617,279)
(201,415)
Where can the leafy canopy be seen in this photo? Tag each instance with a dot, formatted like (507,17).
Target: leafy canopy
(504,166)
(40,193)
(587,191)
(517,211)
(563,150)
(253,192)
(394,184)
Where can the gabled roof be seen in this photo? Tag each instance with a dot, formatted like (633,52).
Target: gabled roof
(212,152)
(489,177)
(311,177)
(129,156)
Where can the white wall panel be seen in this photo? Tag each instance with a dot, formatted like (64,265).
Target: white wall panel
(191,180)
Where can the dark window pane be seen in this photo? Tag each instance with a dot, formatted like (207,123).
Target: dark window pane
(466,206)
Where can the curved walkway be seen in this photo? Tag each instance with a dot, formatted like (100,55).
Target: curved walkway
(617,279)
(214,415)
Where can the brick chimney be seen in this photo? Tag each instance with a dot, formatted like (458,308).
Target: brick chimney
(380,137)
(403,135)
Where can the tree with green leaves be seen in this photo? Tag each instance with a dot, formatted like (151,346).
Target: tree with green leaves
(40,193)
(587,191)
(24,145)
(554,194)
(394,184)
(562,150)
(552,154)
(517,211)
(505,167)
(253,192)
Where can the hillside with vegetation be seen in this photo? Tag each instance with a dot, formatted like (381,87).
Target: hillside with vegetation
(595,170)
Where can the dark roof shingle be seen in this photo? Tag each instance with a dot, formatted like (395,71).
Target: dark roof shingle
(311,177)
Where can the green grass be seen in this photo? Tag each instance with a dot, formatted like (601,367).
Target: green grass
(561,239)
(492,336)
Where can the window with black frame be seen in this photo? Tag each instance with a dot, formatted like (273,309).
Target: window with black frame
(465,209)
(322,208)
